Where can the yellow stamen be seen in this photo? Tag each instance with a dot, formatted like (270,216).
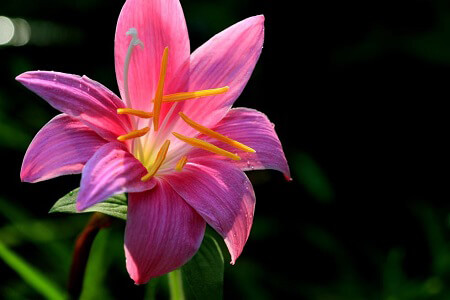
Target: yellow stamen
(134,112)
(158,161)
(133,134)
(181,163)
(215,135)
(192,95)
(160,88)
(206,146)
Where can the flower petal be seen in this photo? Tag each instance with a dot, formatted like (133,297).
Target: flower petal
(61,147)
(112,170)
(227,59)
(253,129)
(81,97)
(162,233)
(160,24)
(222,195)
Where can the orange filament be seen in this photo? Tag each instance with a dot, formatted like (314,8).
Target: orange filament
(215,135)
(133,134)
(192,95)
(134,112)
(158,161)
(181,163)
(206,146)
(160,88)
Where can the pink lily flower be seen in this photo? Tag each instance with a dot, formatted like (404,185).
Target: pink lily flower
(173,144)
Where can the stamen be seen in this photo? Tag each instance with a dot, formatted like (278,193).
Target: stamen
(158,161)
(215,135)
(206,146)
(181,163)
(135,112)
(160,88)
(133,134)
(133,43)
(192,95)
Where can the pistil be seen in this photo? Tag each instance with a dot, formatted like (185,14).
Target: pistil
(133,43)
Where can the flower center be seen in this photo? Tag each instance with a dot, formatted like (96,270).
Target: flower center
(154,162)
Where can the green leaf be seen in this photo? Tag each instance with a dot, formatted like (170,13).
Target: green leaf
(30,275)
(94,286)
(203,274)
(115,206)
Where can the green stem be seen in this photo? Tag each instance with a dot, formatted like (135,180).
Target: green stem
(176,285)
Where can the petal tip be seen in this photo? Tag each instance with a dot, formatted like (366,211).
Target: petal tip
(25,176)
(80,207)
(261,17)
(23,77)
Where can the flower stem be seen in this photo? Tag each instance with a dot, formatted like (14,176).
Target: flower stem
(81,252)
(176,285)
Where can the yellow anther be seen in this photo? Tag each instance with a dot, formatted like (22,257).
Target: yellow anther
(192,95)
(158,161)
(134,112)
(206,146)
(133,134)
(181,163)
(215,135)
(160,88)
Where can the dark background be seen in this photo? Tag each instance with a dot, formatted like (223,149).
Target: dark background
(357,90)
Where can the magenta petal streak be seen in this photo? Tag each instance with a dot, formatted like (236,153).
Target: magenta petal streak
(80,97)
(227,59)
(222,195)
(255,130)
(112,170)
(162,232)
(61,147)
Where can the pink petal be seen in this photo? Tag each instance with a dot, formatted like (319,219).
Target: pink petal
(222,195)
(227,59)
(112,170)
(61,147)
(162,232)
(160,24)
(254,129)
(81,97)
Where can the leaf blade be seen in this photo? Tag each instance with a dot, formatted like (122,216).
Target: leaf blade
(29,274)
(115,206)
(203,274)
